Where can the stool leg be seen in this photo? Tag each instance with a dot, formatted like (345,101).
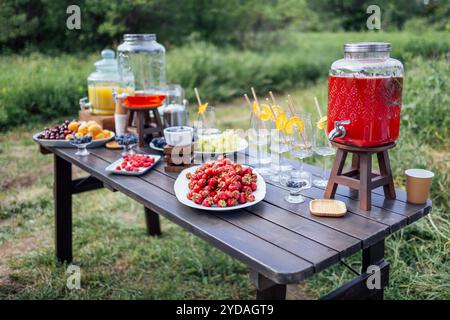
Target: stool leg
(385,170)
(140,126)
(365,178)
(338,165)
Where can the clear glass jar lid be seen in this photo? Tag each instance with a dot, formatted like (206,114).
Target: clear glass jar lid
(108,61)
(367,47)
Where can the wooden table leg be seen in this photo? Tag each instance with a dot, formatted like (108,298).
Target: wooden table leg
(266,289)
(374,255)
(152,221)
(63,209)
(365,177)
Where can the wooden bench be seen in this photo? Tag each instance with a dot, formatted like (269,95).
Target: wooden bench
(281,243)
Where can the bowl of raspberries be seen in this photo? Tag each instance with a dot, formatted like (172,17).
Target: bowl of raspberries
(220,185)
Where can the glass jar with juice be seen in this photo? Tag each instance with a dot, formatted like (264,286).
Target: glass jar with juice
(101,84)
(365,95)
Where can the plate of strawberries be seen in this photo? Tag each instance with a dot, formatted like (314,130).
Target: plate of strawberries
(133,164)
(220,185)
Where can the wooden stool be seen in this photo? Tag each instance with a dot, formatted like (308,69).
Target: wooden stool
(141,123)
(360,176)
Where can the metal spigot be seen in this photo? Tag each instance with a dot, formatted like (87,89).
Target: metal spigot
(339,130)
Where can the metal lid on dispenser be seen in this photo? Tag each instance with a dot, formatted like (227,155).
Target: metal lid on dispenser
(367,47)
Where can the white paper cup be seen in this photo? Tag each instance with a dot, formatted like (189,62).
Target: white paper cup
(418,184)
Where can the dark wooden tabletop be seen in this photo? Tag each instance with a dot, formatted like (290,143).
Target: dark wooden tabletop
(280,240)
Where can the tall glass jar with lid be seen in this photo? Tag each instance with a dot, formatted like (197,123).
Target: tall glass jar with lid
(142,70)
(365,95)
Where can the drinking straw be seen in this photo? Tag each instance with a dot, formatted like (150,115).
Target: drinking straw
(256,99)
(320,115)
(199,101)
(251,108)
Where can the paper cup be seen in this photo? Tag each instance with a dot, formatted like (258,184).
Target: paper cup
(418,183)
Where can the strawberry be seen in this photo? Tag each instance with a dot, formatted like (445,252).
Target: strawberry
(189,195)
(250,197)
(235,194)
(222,196)
(213,182)
(196,188)
(118,168)
(204,193)
(202,182)
(253,185)
(231,202)
(242,198)
(208,202)
(189,175)
(246,179)
(222,203)
(247,190)
(254,177)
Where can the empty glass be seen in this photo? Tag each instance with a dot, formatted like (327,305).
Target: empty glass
(323,148)
(259,139)
(302,140)
(279,146)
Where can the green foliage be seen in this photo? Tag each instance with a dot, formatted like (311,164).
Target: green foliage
(37,87)
(426,105)
(40,25)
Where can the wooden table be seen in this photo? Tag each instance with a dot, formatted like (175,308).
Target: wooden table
(281,243)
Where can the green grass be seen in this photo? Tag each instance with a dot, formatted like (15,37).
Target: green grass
(118,260)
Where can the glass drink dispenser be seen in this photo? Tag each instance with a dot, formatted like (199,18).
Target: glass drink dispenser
(142,71)
(365,96)
(101,84)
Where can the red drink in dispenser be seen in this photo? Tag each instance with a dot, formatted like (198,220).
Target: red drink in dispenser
(144,100)
(365,96)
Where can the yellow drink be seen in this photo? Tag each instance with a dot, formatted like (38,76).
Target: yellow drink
(102,99)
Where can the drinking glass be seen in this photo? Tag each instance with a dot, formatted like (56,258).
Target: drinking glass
(259,139)
(279,147)
(322,147)
(302,139)
(206,125)
(296,181)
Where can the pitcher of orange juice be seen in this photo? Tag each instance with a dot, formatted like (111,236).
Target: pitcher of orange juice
(101,84)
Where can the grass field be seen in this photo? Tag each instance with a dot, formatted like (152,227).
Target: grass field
(118,260)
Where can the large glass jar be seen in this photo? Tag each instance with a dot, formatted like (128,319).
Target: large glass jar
(365,95)
(142,70)
(101,84)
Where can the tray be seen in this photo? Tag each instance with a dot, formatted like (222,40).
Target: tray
(327,208)
(112,167)
(67,144)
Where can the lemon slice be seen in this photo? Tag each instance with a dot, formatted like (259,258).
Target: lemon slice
(322,123)
(202,108)
(265,113)
(294,122)
(281,121)
(255,108)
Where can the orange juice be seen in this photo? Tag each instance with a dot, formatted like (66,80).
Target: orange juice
(102,99)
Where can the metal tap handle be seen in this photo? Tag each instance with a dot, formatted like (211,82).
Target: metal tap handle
(341,122)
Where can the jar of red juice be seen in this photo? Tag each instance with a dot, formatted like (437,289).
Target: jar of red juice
(365,96)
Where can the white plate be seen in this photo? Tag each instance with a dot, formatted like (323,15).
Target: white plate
(181,190)
(155,147)
(243,144)
(66,143)
(112,167)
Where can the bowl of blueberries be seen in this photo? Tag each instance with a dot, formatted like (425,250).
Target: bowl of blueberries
(128,141)
(81,144)
(158,143)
